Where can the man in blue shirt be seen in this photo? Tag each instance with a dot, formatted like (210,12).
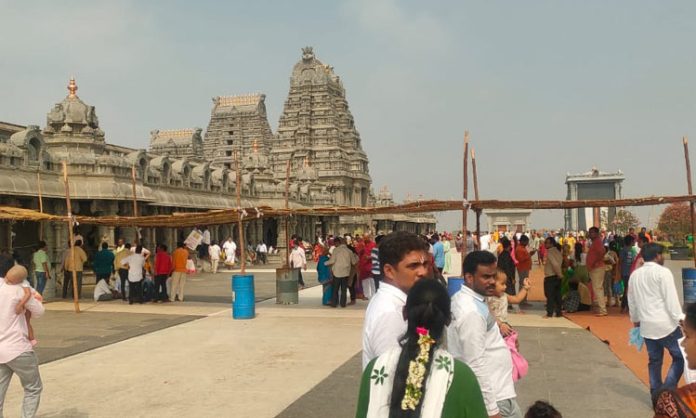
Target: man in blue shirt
(438,253)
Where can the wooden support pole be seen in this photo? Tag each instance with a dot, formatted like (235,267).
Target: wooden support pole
(476,197)
(135,203)
(71,237)
(38,185)
(239,211)
(287,237)
(691,203)
(465,194)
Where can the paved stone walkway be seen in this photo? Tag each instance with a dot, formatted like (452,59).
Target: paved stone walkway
(569,367)
(291,361)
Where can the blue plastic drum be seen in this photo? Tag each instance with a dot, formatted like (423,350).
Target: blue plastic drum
(243,297)
(454,284)
(689,283)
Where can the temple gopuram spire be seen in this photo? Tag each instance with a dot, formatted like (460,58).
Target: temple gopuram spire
(72,88)
(317,125)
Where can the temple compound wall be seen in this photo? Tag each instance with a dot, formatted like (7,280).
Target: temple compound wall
(188,170)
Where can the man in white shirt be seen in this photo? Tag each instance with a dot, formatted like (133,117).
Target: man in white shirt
(654,307)
(262,252)
(485,241)
(214,252)
(404,259)
(102,292)
(298,259)
(16,352)
(136,264)
(206,236)
(474,338)
(230,251)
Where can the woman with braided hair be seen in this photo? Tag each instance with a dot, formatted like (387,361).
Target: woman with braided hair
(418,378)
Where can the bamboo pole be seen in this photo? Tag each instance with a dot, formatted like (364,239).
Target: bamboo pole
(476,197)
(38,185)
(465,194)
(135,204)
(285,219)
(71,237)
(240,225)
(685,141)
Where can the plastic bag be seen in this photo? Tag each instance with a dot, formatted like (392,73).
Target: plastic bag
(520,366)
(634,338)
(190,266)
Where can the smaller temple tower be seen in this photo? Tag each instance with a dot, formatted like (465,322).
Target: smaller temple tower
(236,124)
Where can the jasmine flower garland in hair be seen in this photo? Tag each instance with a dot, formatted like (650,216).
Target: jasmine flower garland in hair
(416,371)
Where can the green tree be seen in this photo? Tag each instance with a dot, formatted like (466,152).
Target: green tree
(675,221)
(624,220)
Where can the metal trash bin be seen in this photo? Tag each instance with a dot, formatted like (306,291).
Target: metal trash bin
(689,283)
(679,253)
(287,279)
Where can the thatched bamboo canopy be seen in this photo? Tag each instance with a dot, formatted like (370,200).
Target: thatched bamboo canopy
(224,216)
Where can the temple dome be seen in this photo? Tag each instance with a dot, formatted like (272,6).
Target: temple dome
(73,116)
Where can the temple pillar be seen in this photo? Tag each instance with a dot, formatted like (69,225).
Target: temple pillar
(5,235)
(259,231)
(56,246)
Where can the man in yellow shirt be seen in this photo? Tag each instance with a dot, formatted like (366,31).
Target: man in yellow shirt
(75,264)
(571,243)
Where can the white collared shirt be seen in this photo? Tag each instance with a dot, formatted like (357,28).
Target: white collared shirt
(653,301)
(384,322)
(14,332)
(473,337)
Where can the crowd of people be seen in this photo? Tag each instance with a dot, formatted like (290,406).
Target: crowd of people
(425,352)
(412,328)
(582,270)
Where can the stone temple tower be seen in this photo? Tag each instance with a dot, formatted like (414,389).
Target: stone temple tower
(317,129)
(237,123)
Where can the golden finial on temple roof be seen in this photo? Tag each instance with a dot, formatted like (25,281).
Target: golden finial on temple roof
(72,88)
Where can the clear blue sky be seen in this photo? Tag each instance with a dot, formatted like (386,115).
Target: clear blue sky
(544,87)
